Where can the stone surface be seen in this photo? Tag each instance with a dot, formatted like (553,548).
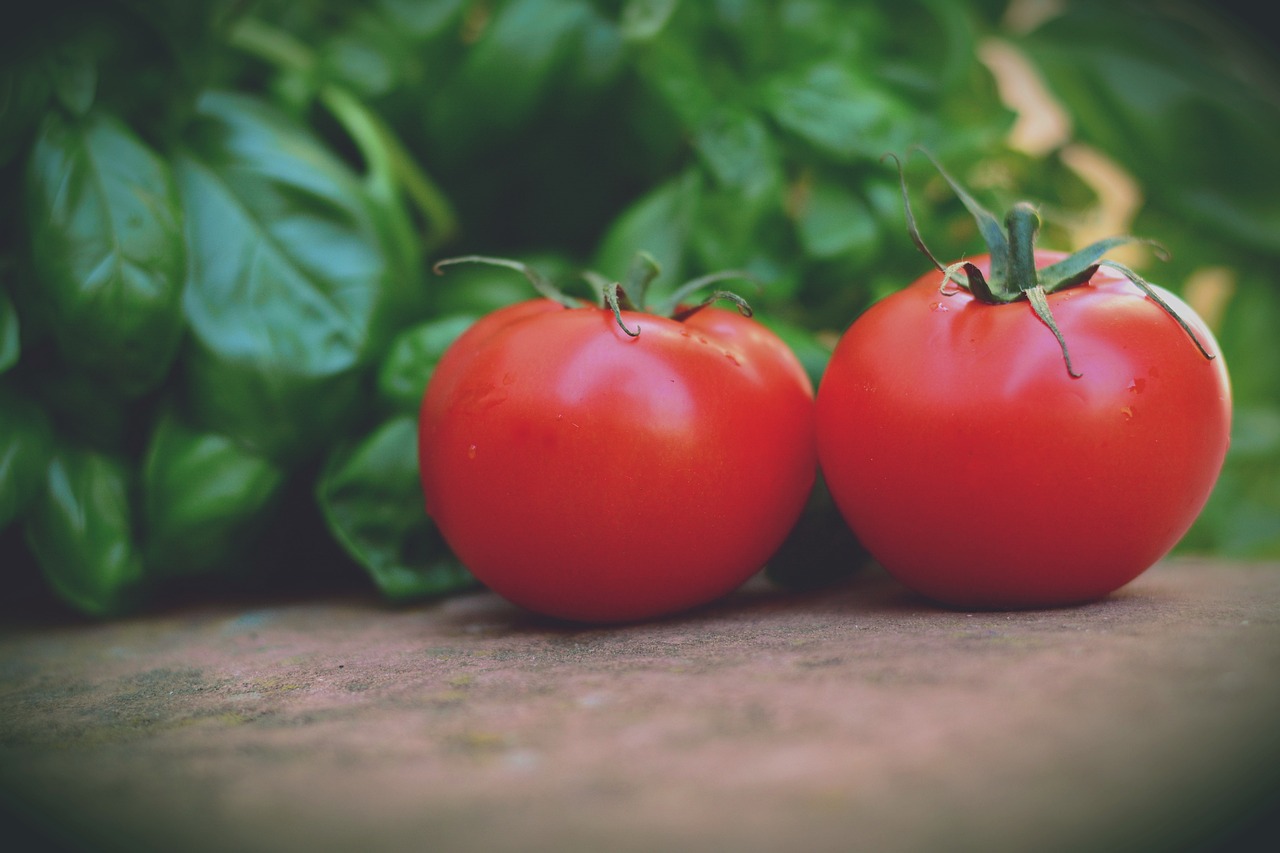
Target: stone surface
(855,718)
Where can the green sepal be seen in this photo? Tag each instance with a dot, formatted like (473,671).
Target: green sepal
(1013,272)
(720,295)
(599,284)
(1151,292)
(540,282)
(628,295)
(993,233)
(913,228)
(1078,267)
(1040,304)
(671,306)
(617,301)
(644,268)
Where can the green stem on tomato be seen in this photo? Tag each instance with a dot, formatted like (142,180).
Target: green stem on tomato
(1023,225)
(540,283)
(1013,274)
(613,296)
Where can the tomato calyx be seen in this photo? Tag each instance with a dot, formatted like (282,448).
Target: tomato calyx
(628,294)
(1013,274)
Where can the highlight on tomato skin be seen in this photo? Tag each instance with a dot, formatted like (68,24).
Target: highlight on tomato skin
(587,473)
(995,453)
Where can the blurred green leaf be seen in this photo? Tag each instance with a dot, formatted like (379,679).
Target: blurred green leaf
(371,498)
(10,333)
(420,19)
(106,244)
(509,69)
(658,223)
(840,112)
(75,81)
(1199,134)
(204,499)
(25,443)
(403,376)
(24,91)
(293,287)
(641,20)
(80,526)
(835,221)
(739,152)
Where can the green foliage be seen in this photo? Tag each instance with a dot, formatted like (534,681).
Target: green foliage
(106,245)
(217,221)
(82,528)
(294,286)
(403,376)
(204,498)
(25,446)
(10,333)
(372,500)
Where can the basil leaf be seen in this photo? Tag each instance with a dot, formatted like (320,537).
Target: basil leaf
(296,283)
(75,80)
(371,498)
(834,221)
(10,333)
(403,377)
(107,248)
(419,19)
(85,410)
(840,112)
(510,69)
(204,498)
(658,223)
(25,444)
(675,71)
(24,90)
(643,20)
(739,152)
(80,527)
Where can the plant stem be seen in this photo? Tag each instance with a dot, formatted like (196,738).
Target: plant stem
(389,165)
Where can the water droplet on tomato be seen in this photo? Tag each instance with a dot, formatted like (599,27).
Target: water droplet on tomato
(1137,386)
(939,307)
(732,358)
(471,452)
(1127,413)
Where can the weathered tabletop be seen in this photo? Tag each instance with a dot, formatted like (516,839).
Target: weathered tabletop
(859,718)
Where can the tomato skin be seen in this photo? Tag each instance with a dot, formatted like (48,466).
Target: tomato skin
(590,476)
(981,475)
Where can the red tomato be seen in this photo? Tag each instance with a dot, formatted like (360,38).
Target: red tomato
(588,475)
(982,475)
